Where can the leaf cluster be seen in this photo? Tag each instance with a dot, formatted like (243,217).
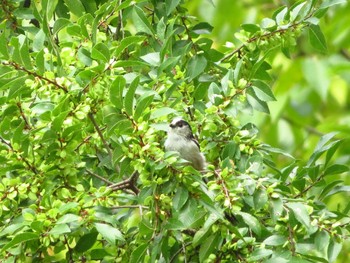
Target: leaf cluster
(87,89)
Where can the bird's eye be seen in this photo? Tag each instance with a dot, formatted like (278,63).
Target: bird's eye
(180,125)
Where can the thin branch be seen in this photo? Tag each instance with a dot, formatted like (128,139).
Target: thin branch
(99,131)
(28,126)
(291,239)
(18,67)
(94,79)
(30,166)
(129,206)
(120,25)
(310,186)
(129,183)
(179,251)
(99,177)
(6,143)
(83,142)
(256,38)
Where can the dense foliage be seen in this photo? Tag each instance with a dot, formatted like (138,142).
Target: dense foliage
(87,89)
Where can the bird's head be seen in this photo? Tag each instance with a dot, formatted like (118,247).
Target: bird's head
(180,127)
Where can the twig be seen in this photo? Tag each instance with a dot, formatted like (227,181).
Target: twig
(120,26)
(256,38)
(30,166)
(224,188)
(179,251)
(310,186)
(16,66)
(6,143)
(99,177)
(129,183)
(291,240)
(84,141)
(97,128)
(23,116)
(129,206)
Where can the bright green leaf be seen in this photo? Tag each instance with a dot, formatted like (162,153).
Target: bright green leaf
(116,92)
(86,242)
(100,52)
(300,212)
(141,22)
(251,221)
(317,39)
(109,233)
(196,66)
(129,96)
(19,238)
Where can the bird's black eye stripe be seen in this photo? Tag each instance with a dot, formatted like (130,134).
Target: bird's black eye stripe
(182,123)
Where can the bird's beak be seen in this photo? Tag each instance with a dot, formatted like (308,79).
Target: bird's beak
(172,125)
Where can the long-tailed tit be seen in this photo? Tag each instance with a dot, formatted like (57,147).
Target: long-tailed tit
(180,139)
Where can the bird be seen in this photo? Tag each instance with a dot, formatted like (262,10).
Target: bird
(180,139)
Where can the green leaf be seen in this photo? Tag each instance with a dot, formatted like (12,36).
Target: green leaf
(138,253)
(60,229)
(129,96)
(317,39)
(180,198)
(171,5)
(259,254)
(202,28)
(4,45)
(251,221)
(100,52)
(60,23)
(209,245)
(20,238)
(161,29)
(40,62)
(126,42)
(75,7)
(68,218)
(116,92)
(267,23)
(260,199)
(160,112)
(252,28)
(58,121)
(109,233)
(280,17)
(205,230)
(196,66)
(329,3)
(141,22)
(336,169)
(338,189)
(322,146)
(275,240)
(296,11)
(334,249)
(26,59)
(142,104)
(262,91)
(86,242)
(322,240)
(152,58)
(257,103)
(39,39)
(300,212)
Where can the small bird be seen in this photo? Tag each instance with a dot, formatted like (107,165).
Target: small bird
(180,139)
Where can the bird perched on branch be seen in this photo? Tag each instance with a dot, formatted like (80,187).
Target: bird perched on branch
(180,139)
